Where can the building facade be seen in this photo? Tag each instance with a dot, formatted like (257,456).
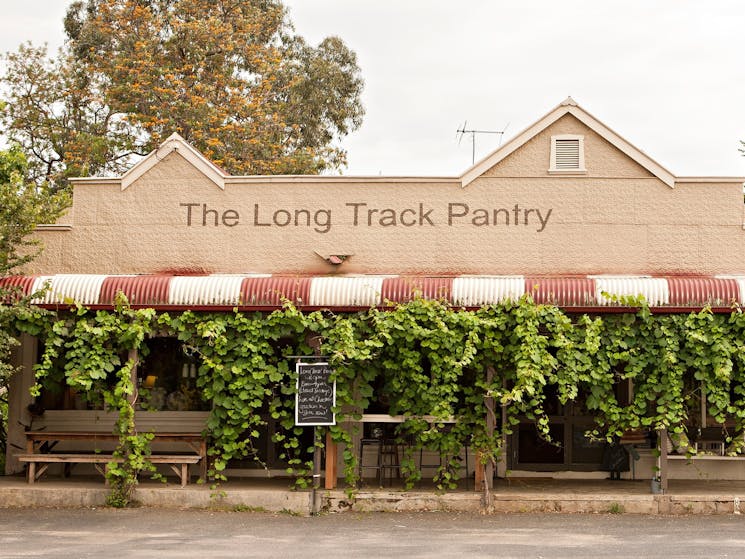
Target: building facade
(567,210)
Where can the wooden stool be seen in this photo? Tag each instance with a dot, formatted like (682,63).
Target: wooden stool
(387,459)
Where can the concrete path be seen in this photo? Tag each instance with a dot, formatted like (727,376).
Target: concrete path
(513,496)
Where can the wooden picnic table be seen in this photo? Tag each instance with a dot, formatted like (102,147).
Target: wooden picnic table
(42,442)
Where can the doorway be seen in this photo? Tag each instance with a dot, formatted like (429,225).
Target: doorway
(569,448)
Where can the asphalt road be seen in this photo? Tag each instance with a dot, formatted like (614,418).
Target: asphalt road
(114,534)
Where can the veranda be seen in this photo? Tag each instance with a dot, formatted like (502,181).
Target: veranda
(520,387)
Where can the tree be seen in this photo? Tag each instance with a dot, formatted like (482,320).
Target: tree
(232,77)
(22,206)
(56,113)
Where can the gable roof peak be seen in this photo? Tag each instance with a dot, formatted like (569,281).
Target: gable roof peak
(568,106)
(177,143)
(175,136)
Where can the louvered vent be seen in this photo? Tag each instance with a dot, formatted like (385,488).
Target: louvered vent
(567,154)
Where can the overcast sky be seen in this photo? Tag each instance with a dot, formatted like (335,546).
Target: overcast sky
(667,75)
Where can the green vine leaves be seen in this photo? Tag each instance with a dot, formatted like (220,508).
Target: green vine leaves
(93,347)
(458,377)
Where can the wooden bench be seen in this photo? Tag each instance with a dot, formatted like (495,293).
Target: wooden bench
(695,457)
(179,463)
(45,441)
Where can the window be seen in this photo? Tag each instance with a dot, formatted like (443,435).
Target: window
(567,154)
(167,377)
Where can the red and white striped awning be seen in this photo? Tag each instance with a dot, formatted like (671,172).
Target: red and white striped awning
(267,292)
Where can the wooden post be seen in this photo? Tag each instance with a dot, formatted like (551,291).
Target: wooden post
(703,405)
(662,438)
(332,451)
(502,465)
(132,356)
(491,423)
(314,508)
(478,480)
(19,399)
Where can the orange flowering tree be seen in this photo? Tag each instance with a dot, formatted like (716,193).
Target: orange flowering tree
(233,78)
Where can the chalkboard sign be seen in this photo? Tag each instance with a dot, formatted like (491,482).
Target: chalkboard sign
(315,395)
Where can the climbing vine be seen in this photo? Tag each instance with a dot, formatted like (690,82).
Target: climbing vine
(93,347)
(459,377)
(246,374)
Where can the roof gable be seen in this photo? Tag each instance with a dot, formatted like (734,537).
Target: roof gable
(569,106)
(175,143)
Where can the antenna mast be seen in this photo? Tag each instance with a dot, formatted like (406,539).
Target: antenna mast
(463,130)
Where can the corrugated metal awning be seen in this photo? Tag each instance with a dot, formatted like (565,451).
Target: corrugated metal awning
(696,290)
(205,290)
(139,290)
(18,286)
(403,289)
(267,292)
(577,292)
(476,291)
(354,291)
(272,291)
(654,290)
(69,289)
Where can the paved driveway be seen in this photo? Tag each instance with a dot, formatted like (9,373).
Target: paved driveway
(197,534)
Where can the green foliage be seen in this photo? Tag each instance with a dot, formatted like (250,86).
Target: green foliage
(58,114)
(93,346)
(445,369)
(233,78)
(245,373)
(22,207)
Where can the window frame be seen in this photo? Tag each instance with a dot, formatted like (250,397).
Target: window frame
(580,169)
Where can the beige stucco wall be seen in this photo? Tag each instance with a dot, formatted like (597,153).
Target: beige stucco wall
(602,159)
(618,218)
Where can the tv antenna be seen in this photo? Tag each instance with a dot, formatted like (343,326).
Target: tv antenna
(463,130)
